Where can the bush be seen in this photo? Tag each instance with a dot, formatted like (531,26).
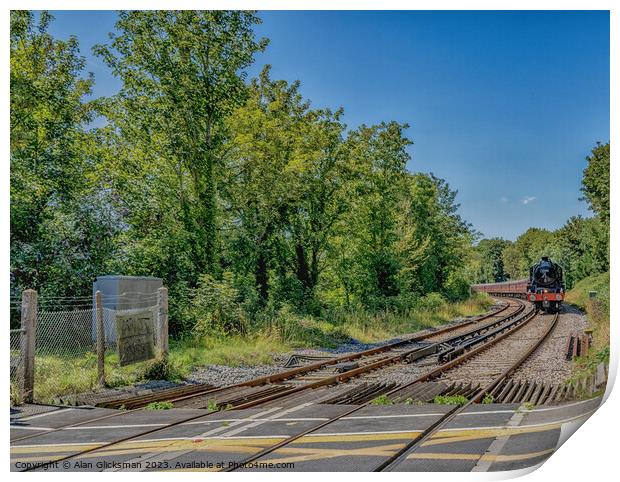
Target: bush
(431,301)
(305,330)
(163,369)
(382,400)
(217,307)
(456,287)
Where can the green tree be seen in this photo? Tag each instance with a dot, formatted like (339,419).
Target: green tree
(260,187)
(182,74)
(321,173)
(581,248)
(434,228)
(595,181)
(379,157)
(525,251)
(61,221)
(491,266)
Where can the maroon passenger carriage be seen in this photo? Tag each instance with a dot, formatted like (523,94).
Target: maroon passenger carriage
(515,288)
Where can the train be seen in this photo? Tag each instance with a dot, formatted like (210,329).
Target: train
(544,287)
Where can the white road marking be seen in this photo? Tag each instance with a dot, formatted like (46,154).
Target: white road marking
(40,415)
(332,434)
(496,447)
(559,407)
(534,425)
(408,415)
(99,427)
(28,427)
(157,456)
(269,419)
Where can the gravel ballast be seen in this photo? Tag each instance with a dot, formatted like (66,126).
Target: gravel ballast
(220,375)
(549,363)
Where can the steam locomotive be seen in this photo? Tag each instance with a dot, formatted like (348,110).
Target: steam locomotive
(546,285)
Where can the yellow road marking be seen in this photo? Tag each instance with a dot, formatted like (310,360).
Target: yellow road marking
(130,447)
(50,458)
(207,445)
(59,448)
(438,456)
(253,445)
(465,435)
(508,458)
(487,457)
(303,455)
(357,437)
(240,445)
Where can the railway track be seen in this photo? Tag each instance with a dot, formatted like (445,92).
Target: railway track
(475,396)
(486,389)
(342,369)
(476,341)
(354,364)
(485,367)
(242,395)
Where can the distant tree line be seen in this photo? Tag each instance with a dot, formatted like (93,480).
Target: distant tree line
(581,246)
(244,198)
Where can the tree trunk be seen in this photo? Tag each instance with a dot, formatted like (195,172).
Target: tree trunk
(303,272)
(262,278)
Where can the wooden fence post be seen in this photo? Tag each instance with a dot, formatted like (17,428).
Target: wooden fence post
(100,340)
(162,320)
(28,345)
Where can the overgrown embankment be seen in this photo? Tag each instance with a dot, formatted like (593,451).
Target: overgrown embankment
(597,311)
(283,333)
(287,331)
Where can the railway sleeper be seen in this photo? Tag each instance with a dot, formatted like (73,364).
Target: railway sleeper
(141,400)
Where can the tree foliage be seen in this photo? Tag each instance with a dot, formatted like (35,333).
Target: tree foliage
(241,195)
(182,74)
(60,224)
(595,181)
(487,261)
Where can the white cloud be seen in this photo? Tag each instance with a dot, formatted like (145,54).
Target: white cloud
(503,199)
(528,199)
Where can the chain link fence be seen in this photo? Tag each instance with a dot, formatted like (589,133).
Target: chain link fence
(15,348)
(66,356)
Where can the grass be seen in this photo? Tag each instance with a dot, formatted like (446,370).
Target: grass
(234,351)
(15,395)
(368,328)
(57,375)
(212,406)
(597,312)
(382,400)
(60,375)
(450,400)
(160,406)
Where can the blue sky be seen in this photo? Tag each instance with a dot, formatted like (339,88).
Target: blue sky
(503,105)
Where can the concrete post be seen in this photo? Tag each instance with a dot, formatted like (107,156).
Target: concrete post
(28,345)
(162,320)
(100,340)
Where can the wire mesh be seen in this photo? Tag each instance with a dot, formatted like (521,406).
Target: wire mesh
(66,351)
(15,348)
(16,361)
